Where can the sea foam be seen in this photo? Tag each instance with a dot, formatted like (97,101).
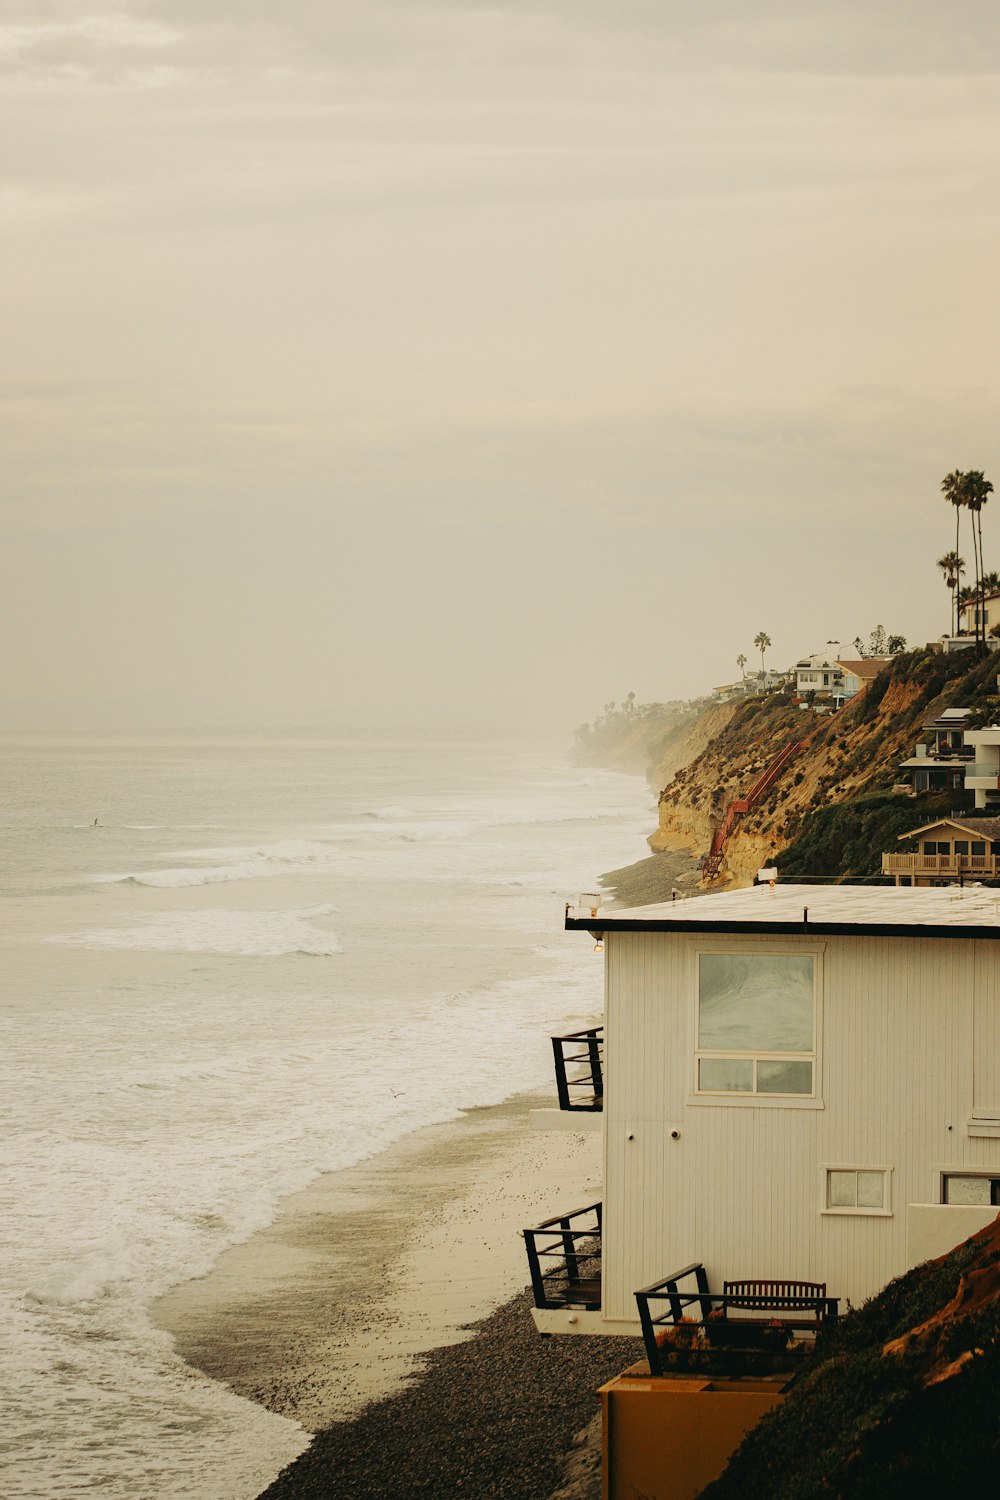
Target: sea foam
(247,933)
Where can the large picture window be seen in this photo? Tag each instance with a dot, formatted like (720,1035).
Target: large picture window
(756,1024)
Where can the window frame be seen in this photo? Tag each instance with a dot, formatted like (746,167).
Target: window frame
(853,1212)
(729,1098)
(991,1174)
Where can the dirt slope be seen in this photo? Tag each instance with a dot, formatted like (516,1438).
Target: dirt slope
(903,1400)
(843,757)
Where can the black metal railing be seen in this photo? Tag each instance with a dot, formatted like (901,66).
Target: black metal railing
(798,1306)
(579,1059)
(564,1258)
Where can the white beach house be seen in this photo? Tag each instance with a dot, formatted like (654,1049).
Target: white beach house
(820,673)
(795,1083)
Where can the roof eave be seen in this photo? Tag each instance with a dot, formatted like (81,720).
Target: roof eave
(601,927)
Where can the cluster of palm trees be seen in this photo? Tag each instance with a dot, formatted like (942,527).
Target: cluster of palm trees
(762,641)
(969,491)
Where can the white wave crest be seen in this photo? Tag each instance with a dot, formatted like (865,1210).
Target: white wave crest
(251,934)
(91,1276)
(242,863)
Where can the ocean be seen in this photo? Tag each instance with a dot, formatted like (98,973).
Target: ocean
(231,965)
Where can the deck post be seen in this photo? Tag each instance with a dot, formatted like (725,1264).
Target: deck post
(594,1050)
(562,1087)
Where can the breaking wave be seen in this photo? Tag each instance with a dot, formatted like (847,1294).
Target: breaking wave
(251,934)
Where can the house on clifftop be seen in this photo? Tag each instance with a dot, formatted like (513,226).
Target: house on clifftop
(947,850)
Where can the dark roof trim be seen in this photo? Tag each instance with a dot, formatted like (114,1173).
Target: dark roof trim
(601,928)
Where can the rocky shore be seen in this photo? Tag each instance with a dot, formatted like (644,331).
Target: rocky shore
(382,1311)
(651,880)
(495,1418)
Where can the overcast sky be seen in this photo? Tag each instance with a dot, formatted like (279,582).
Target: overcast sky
(437,363)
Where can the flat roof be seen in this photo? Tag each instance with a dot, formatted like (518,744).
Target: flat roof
(878,911)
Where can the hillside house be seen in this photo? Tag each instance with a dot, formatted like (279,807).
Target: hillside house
(947,850)
(858,673)
(988,613)
(939,762)
(821,673)
(982,775)
(745,687)
(791,1082)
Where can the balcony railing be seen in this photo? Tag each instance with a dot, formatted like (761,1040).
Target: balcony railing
(745,1308)
(564,1258)
(983,771)
(940,864)
(579,1060)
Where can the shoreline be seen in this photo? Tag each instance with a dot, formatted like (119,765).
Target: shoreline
(504,1415)
(369,1278)
(369,1309)
(653,879)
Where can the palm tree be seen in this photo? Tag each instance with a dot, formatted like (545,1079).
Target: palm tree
(953,489)
(952,566)
(972,490)
(761,640)
(977,491)
(741,662)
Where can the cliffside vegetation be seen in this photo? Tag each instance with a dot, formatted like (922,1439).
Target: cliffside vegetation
(902,1400)
(831,812)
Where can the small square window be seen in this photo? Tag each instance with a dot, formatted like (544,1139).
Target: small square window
(856,1190)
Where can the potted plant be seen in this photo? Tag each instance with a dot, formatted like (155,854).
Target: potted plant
(732,1333)
(682,1345)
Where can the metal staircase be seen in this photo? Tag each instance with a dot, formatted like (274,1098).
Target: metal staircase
(740,805)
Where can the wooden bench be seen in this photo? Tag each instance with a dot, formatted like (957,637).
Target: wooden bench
(800,1305)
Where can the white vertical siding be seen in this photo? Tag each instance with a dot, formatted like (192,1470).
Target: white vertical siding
(741,1188)
(986,1038)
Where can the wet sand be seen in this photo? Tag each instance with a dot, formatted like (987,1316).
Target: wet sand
(353,1295)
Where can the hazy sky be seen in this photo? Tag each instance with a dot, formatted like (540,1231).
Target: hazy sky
(374,362)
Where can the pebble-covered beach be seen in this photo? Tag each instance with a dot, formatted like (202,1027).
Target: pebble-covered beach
(494,1418)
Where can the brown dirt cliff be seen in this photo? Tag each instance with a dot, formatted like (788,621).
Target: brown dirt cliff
(840,757)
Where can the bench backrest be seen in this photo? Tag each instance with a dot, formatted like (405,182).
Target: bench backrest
(776,1296)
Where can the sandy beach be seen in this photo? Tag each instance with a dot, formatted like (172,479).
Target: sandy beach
(351,1312)
(384,1309)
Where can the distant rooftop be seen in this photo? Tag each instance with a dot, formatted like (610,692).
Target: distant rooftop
(865,667)
(985,827)
(888,911)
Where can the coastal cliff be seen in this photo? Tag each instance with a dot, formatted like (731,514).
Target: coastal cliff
(835,789)
(831,807)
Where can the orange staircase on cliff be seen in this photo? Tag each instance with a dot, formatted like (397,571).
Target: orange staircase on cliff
(740,805)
